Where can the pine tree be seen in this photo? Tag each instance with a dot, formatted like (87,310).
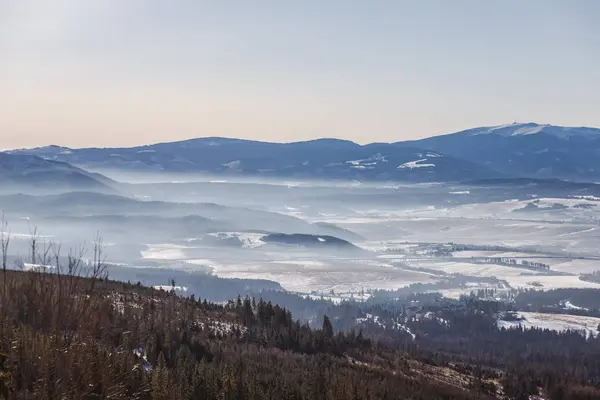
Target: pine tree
(327,327)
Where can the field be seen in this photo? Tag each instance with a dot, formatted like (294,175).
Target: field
(450,238)
(589,326)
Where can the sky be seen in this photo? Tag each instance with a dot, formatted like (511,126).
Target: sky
(127,72)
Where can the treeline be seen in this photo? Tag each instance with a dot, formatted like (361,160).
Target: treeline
(512,262)
(593,277)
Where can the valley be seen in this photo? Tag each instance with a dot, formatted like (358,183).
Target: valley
(277,200)
(341,241)
(420,261)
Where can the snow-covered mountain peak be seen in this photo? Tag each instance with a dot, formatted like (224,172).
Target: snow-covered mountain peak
(530,128)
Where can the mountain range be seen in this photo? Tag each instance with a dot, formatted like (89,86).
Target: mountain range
(525,150)
(516,150)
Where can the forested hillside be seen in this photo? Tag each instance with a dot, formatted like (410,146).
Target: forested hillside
(68,332)
(68,337)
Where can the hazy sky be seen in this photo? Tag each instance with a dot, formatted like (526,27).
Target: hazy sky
(124,72)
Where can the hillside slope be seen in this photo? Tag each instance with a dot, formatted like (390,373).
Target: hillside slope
(91,338)
(513,150)
(317,159)
(29,172)
(525,150)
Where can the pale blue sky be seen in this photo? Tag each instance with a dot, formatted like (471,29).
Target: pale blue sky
(124,72)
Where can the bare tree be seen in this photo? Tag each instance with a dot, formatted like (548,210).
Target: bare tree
(34,237)
(99,265)
(4,243)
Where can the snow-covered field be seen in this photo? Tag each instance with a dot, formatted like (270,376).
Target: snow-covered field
(305,272)
(565,237)
(559,264)
(164,252)
(464,268)
(310,276)
(299,272)
(556,322)
(549,282)
(506,209)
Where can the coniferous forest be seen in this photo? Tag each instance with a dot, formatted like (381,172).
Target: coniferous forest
(69,332)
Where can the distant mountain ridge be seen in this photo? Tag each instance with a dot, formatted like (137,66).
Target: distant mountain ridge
(507,151)
(30,172)
(525,150)
(531,128)
(318,159)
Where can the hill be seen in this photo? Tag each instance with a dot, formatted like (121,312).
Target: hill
(317,159)
(514,150)
(311,241)
(525,150)
(86,212)
(32,173)
(73,337)
(68,331)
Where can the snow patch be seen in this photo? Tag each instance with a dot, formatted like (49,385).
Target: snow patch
(36,267)
(415,164)
(233,164)
(587,326)
(168,288)
(461,192)
(570,306)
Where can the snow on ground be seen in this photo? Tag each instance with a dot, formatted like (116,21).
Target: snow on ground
(371,262)
(539,282)
(415,164)
(164,252)
(302,263)
(367,163)
(505,209)
(322,276)
(24,236)
(37,267)
(221,328)
(474,253)
(591,198)
(333,299)
(554,322)
(549,282)
(464,268)
(393,233)
(140,353)
(461,192)
(542,235)
(386,246)
(559,264)
(248,239)
(368,318)
(168,288)
(573,266)
(570,306)
(213,265)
